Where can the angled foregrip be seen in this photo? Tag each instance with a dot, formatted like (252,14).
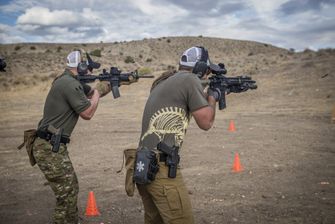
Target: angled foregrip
(115,89)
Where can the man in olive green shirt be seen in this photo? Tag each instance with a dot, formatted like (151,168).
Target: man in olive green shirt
(173,100)
(65,103)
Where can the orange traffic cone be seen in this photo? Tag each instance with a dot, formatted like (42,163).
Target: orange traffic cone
(237,165)
(91,208)
(231,126)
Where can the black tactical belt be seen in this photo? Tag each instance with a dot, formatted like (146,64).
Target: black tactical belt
(47,136)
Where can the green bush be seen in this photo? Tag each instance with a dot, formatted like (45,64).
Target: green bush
(129,59)
(149,60)
(17,47)
(96,52)
(168,40)
(144,70)
(59,48)
(32,48)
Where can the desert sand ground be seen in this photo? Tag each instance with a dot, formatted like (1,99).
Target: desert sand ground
(284,135)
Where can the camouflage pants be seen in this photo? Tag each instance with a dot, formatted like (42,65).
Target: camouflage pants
(166,199)
(58,170)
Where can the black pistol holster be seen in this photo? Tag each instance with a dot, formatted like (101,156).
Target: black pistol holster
(170,156)
(146,166)
(54,136)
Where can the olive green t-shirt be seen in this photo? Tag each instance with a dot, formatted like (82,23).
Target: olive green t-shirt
(168,109)
(65,101)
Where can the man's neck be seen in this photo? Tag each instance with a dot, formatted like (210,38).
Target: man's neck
(73,71)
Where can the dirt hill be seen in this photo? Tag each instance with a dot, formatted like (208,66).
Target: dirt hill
(284,134)
(43,60)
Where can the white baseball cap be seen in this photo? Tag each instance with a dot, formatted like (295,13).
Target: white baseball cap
(193,55)
(73,59)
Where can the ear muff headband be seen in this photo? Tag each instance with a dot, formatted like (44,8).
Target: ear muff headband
(82,68)
(204,54)
(201,66)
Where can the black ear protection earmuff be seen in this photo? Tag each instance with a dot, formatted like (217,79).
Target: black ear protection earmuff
(82,66)
(200,68)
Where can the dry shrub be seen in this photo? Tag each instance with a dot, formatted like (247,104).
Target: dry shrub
(129,59)
(96,53)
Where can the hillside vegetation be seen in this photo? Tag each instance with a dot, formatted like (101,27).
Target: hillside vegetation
(33,63)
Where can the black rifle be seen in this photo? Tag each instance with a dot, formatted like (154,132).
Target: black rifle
(115,77)
(56,137)
(172,159)
(228,84)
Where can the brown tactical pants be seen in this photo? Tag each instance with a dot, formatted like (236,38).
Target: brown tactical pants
(58,170)
(166,199)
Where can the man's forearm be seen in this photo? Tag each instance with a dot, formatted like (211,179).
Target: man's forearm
(94,101)
(89,112)
(212,103)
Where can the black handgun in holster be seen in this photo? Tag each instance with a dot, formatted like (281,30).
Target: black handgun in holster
(172,158)
(56,137)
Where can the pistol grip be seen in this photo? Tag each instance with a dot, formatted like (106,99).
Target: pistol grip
(222,101)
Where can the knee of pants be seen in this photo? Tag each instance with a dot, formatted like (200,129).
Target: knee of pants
(65,187)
